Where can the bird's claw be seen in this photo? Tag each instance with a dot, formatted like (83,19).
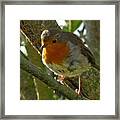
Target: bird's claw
(77,91)
(60,81)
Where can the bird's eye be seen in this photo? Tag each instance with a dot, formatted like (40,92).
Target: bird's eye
(54,41)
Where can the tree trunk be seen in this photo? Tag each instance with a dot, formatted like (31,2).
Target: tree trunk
(93,37)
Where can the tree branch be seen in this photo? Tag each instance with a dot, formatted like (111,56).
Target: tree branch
(44,77)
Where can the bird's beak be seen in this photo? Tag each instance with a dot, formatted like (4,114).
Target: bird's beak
(43,46)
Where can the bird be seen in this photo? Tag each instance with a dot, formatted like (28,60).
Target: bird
(65,54)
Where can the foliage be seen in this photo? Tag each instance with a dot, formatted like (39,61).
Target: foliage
(72,25)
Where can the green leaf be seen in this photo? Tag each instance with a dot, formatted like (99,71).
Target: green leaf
(72,25)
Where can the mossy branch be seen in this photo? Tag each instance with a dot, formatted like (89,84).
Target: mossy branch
(47,79)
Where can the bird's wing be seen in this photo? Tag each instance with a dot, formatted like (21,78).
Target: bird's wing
(84,50)
(64,36)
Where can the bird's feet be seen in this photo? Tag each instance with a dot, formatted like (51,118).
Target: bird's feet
(79,90)
(60,79)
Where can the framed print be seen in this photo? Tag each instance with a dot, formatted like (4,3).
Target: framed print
(60,59)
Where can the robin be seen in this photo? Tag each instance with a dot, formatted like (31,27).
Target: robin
(65,54)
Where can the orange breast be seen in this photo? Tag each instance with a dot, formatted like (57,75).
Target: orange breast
(55,53)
